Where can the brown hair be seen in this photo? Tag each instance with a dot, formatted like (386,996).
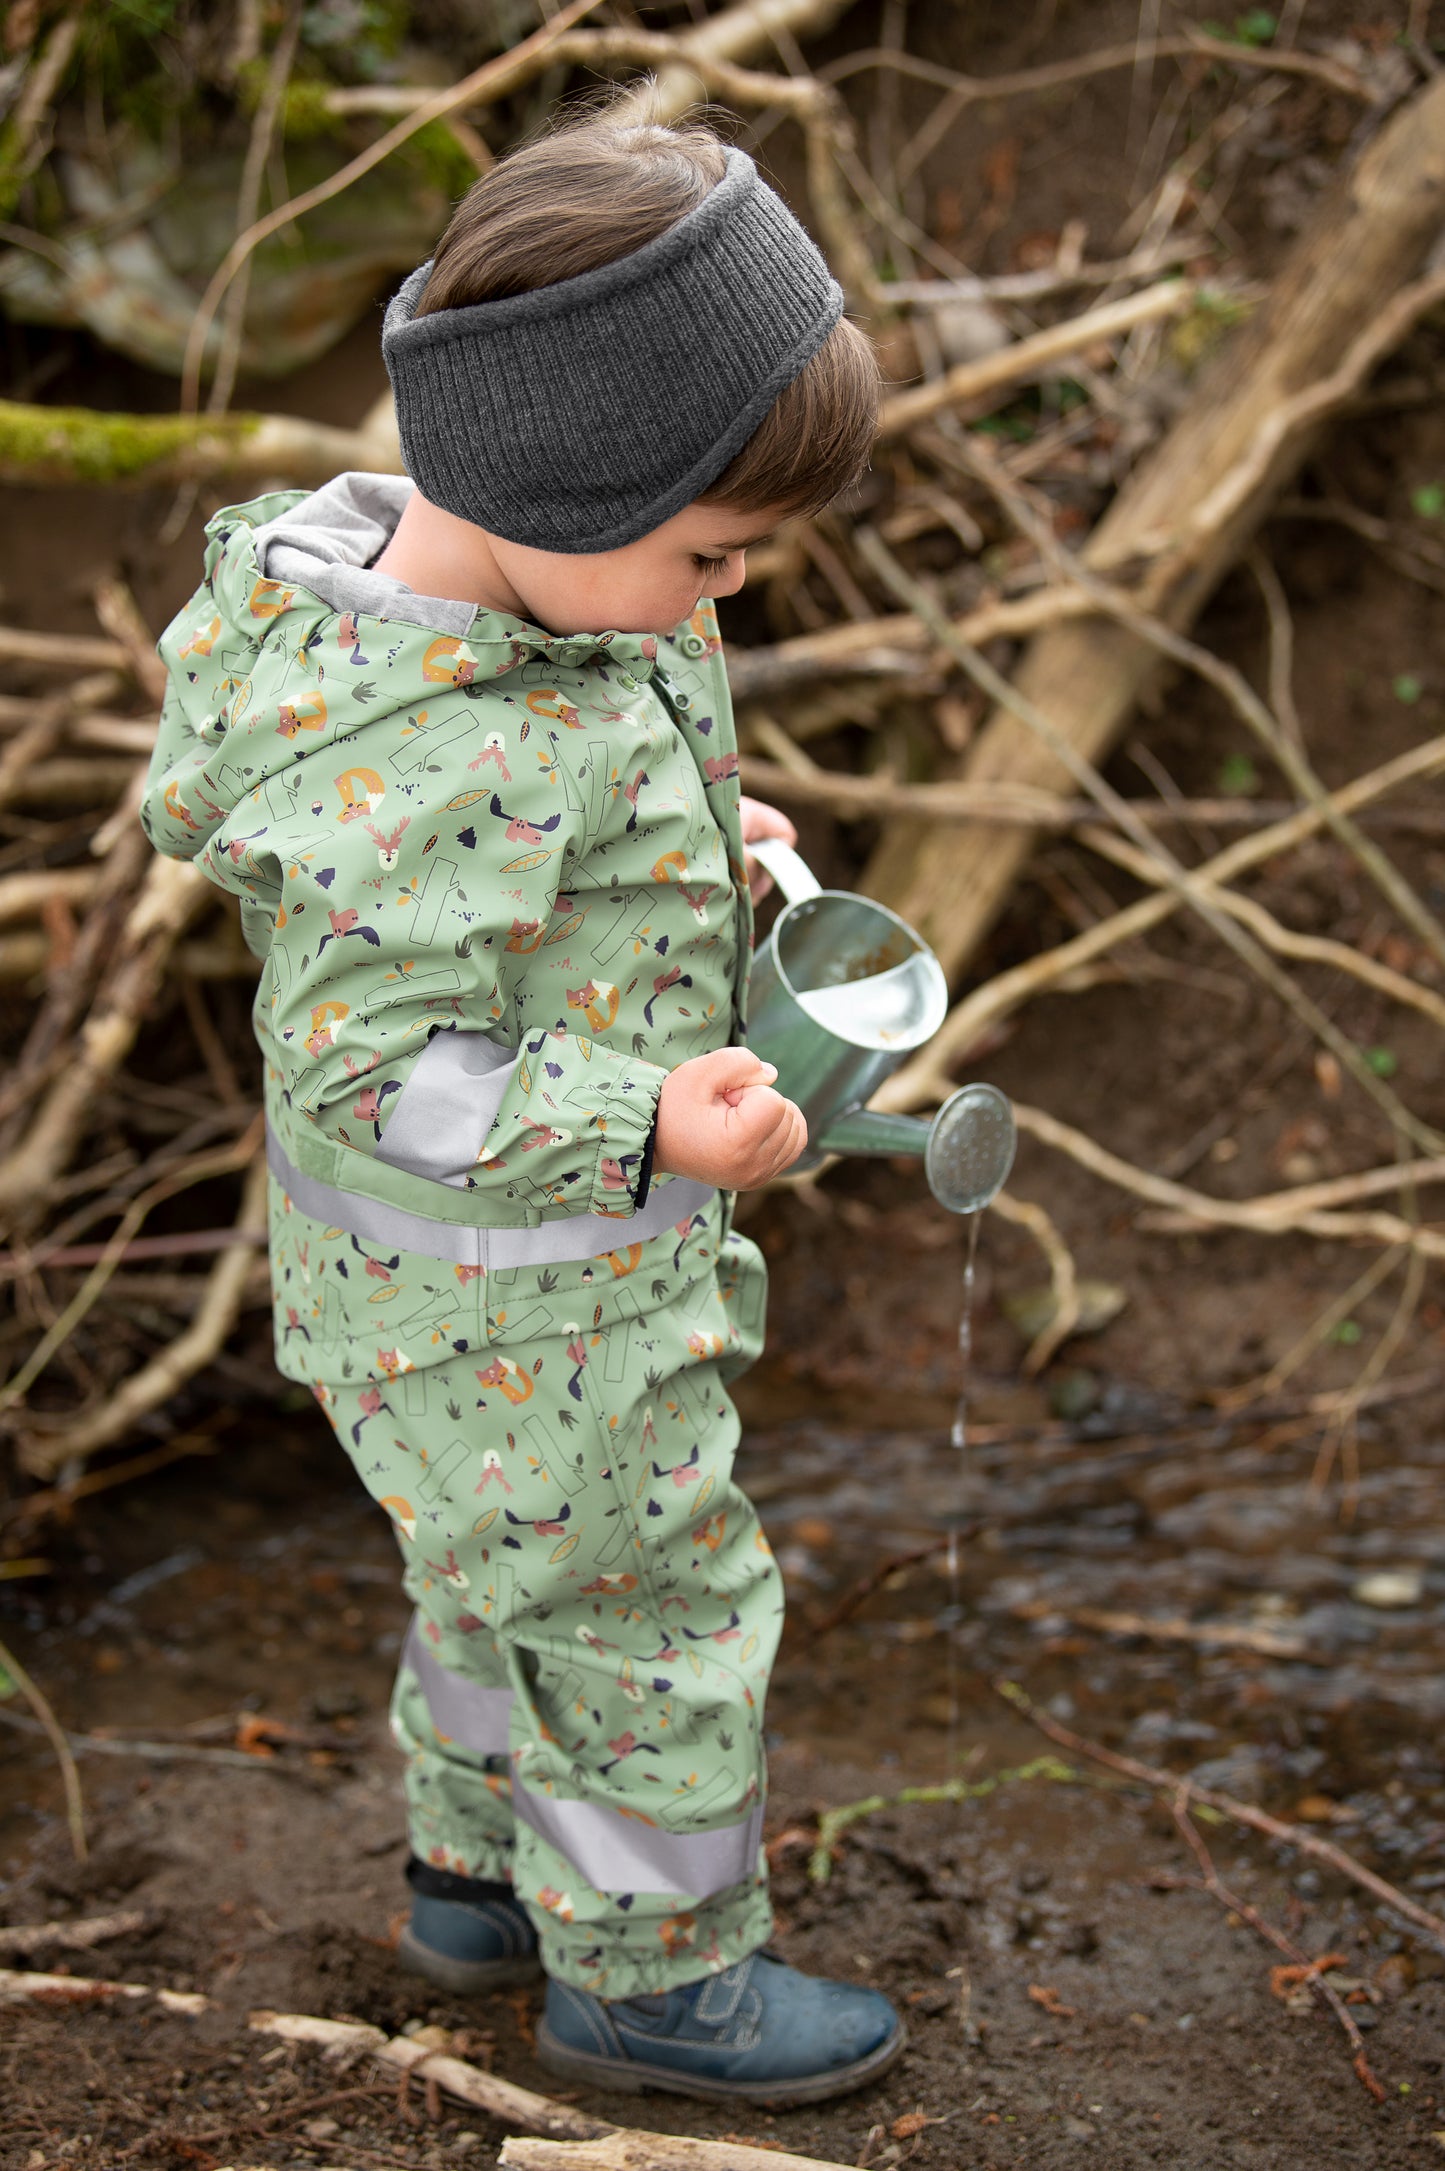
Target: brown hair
(599,189)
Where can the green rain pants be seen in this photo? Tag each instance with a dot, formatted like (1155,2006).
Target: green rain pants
(580,1698)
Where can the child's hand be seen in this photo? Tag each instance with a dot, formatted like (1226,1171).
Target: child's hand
(718,1119)
(760,820)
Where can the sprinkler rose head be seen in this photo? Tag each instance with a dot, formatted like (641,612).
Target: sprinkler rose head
(970,1148)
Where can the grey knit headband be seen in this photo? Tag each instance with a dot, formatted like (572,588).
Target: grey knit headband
(582,415)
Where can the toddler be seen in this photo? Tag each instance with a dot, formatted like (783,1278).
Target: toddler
(461,745)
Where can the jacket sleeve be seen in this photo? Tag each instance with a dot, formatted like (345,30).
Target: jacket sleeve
(398,961)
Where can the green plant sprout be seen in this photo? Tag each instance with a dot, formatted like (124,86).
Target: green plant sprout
(834,1822)
(1238,776)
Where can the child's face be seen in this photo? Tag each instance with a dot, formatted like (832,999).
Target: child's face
(648,586)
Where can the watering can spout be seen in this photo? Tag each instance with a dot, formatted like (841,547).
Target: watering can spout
(967,1149)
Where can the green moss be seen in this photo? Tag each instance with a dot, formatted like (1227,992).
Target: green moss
(11,180)
(79,444)
(1205,327)
(436,153)
(305,115)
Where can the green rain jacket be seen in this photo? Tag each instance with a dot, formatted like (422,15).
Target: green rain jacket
(495,877)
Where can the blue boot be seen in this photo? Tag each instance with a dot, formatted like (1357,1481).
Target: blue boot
(464,1935)
(759,2033)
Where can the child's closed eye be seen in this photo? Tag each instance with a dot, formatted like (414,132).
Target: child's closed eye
(709,565)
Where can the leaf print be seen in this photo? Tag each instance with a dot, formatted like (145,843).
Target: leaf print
(528,860)
(465,799)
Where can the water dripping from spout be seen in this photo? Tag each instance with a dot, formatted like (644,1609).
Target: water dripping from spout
(959,1434)
(958,1438)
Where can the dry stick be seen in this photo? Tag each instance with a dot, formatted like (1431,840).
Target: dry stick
(28,747)
(926,1076)
(1312,949)
(877,554)
(1209,1881)
(32,1937)
(971,380)
(636,2151)
(20,1986)
(732,34)
(1063,1275)
(492,80)
(1258,1820)
(40,87)
(1342,1437)
(1207,1635)
(121,874)
(483,2091)
(1195,1210)
(891,645)
(74,1803)
(248,204)
(116,609)
(43,1453)
(62,651)
(1281,646)
(860,798)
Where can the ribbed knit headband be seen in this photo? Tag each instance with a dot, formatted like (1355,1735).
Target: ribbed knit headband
(582,415)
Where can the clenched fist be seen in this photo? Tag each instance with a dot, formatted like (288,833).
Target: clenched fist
(718,1119)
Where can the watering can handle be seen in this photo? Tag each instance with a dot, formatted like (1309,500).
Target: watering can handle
(794,877)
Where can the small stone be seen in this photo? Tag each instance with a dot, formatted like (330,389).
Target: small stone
(1395,1975)
(320,2129)
(1389,1588)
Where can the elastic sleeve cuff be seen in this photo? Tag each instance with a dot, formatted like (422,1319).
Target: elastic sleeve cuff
(624,1164)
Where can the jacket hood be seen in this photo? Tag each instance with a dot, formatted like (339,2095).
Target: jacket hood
(296,651)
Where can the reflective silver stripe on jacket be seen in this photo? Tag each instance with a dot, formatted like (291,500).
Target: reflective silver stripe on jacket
(551,1243)
(614,1852)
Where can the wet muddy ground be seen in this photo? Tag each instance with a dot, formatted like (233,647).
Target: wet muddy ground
(1061,2010)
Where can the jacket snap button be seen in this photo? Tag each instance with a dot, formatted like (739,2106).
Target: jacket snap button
(629,682)
(693,644)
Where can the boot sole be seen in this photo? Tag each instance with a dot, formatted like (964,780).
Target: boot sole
(635,2079)
(464,1978)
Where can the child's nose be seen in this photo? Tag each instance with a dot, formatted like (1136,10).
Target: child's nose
(729,582)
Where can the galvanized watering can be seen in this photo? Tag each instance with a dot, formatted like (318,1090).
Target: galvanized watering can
(841,992)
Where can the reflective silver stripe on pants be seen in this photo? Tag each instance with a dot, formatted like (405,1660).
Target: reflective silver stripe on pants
(551,1243)
(476,1717)
(613,1851)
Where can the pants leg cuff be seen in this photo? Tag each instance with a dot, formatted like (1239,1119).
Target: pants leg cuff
(626,1964)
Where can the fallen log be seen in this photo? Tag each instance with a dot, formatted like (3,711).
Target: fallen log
(1368,239)
(81,445)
